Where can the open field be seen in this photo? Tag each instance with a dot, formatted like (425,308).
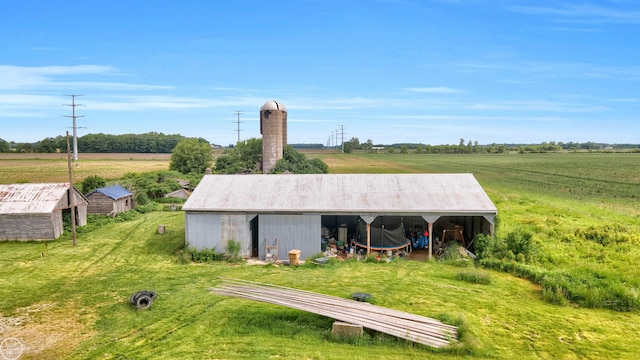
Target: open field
(72,302)
(33,168)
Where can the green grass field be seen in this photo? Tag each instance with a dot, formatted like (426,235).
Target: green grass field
(73,302)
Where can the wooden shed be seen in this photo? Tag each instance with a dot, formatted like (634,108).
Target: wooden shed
(110,200)
(35,211)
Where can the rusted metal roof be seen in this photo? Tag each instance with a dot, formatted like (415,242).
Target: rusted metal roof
(418,194)
(31,198)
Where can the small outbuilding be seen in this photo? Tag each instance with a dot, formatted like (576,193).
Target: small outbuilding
(278,213)
(178,194)
(35,211)
(110,200)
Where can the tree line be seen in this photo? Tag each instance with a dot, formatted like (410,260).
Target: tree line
(469,147)
(151,142)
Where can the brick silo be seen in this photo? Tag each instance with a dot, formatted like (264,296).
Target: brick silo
(273,127)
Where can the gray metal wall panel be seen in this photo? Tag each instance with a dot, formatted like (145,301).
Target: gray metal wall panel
(302,232)
(236,227)
(203,231)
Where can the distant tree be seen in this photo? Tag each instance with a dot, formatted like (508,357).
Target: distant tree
(153,185)
(24,148)
(351,145)
(47,145)
(91,183)
(298,163)
(244,157)
(404,149)
(191,156)
(4,146)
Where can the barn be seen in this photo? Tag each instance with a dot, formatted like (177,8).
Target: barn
(35,211)
(299,211)
(110,200)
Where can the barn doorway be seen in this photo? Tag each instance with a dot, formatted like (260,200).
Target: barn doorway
(253,226)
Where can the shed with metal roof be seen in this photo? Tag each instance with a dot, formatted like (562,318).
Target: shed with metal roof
(255,210)
(35,211)
(110,200)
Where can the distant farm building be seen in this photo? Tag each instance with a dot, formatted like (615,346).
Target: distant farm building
(374,211)
(110,200)
(178,194)
(35,211)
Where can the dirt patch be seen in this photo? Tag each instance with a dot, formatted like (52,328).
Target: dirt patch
(46,330)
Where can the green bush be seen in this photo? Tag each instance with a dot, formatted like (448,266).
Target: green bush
(488,246)
(205,255)
(521,242)
(233,250)
(607,234)
(474,277)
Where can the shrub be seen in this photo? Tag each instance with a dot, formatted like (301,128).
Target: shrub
(606,235)
(233,250)
(474,277)
(91,183)
(521,242)
(488,246)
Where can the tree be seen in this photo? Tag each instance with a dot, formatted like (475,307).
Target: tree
(245,157)
(368,146)
(191,156)
(351,145)
(4,146)
(298,163)
(91,183)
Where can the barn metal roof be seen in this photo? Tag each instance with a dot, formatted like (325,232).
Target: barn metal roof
(417,194)
(31,198)
(114,192)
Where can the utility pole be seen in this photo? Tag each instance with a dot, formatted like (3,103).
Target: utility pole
(74,116)
(342,134)
(72,195)
(238,112)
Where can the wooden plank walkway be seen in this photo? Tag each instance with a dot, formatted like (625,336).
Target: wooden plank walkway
(397,323)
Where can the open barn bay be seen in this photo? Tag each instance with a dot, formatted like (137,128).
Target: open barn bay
(73,302)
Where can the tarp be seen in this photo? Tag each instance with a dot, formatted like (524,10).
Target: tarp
(382,237)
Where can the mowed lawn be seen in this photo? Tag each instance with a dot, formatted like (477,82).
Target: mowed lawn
(73,302)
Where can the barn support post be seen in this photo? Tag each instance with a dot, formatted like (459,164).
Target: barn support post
(368,219)
(430,242)
(430,219)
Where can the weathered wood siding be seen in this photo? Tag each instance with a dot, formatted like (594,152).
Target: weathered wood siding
(29,226)
(102,204)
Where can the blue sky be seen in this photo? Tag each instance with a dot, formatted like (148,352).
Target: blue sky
(420,71)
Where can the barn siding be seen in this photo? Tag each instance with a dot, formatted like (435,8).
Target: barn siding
(27,226)
(236,227)
(208,231)
(302,232)
(203,231)
(46,222)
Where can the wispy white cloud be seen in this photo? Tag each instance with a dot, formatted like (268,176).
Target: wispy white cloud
(584,13)
(536,105)
(57,77)
(433,90)
(481,118)
(522,70)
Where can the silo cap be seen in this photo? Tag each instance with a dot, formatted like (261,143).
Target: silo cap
(273,105)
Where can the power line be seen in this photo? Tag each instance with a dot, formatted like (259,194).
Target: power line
(238,112)
(74,116)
